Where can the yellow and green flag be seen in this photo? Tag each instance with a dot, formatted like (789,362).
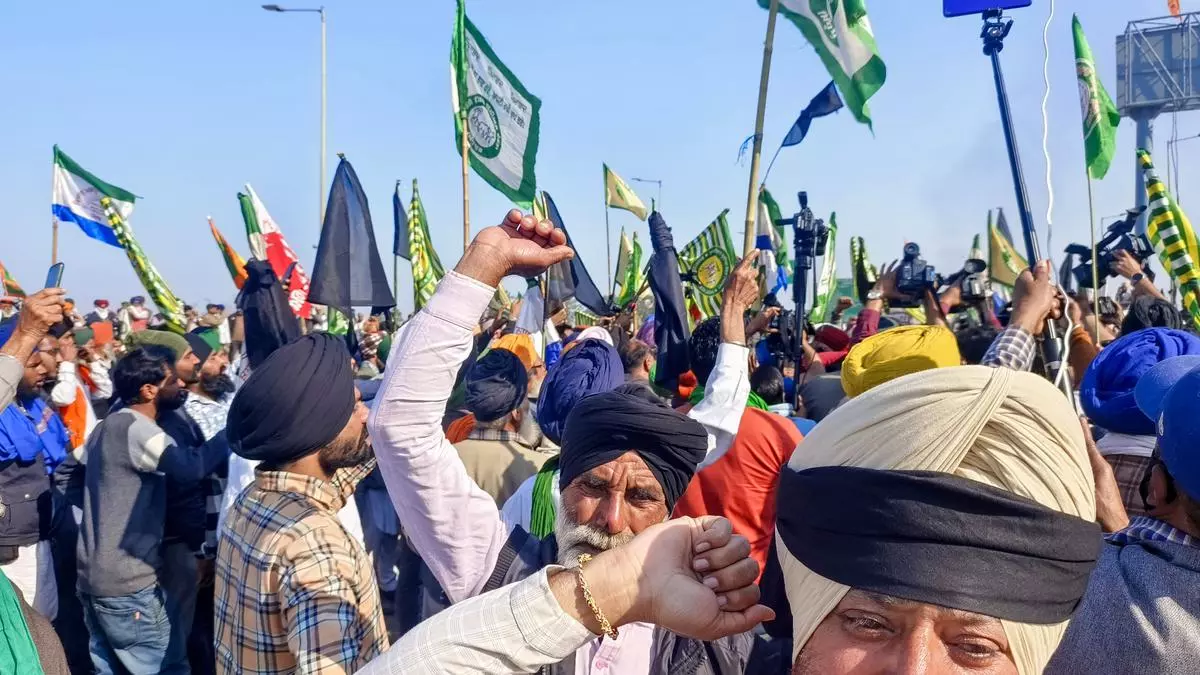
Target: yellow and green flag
(1004,263)
(705,262)
(8,285)
(629,269)
(233,260)
(167,302)
(1173,237)
(427,268)
(619,195)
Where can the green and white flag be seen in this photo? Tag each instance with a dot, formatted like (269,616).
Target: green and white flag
(75,198)
(502,116)
(826,293)
(840,32)
(1100,116)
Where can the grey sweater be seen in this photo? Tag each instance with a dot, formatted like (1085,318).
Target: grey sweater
(1140,614)
(124,502)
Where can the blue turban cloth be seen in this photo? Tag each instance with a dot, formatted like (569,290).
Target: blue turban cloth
(592,367)
(1107,388)
(495,385)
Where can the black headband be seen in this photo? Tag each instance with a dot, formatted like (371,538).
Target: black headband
(939,539)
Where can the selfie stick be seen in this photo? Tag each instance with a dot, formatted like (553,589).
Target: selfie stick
(995,29)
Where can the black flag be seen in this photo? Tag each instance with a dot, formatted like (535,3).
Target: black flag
(570,278)
(671,331)
(348,272)
(400,243)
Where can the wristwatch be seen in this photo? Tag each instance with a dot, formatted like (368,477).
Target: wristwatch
(1137,278)
(874,294)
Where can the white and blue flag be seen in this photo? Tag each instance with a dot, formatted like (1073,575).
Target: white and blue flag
(76,199)
(768,242)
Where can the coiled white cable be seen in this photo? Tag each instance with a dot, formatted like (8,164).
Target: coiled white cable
(1046,131)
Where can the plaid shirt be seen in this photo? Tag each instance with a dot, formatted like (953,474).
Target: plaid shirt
(1013,348)
(1145,528)
(210,416)
(294,591)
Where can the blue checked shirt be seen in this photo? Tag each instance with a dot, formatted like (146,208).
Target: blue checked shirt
(210,416)
(1145,528)
(1013,348)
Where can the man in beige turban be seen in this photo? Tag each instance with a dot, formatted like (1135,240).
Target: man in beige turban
(938,522)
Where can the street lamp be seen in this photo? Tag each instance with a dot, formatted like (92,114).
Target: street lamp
(656,182)
(321,187)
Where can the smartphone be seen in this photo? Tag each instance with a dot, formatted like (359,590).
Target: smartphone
(54,276)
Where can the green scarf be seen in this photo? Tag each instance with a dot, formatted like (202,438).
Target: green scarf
(754,401)
(541,521)
(17,651)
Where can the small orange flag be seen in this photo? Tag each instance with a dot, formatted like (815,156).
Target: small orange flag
(1173,6)
(233,261)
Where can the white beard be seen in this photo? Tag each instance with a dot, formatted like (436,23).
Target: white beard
(574,539)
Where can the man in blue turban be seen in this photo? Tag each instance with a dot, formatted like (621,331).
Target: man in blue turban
(1107,396)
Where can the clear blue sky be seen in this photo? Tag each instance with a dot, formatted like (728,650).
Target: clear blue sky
(182,103)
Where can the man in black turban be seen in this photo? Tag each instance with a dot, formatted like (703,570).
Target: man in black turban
(282,545)
(500,452)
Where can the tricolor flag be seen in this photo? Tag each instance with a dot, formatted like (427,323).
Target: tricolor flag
(267,243)
(75,198)
(233,260)
(8,285)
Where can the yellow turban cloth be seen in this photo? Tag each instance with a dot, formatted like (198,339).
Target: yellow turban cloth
(895,353)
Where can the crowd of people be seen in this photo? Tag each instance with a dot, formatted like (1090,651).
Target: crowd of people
(456,495)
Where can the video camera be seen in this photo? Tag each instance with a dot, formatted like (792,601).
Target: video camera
(1120,237)
(913,277)
(810,237)
(970,281)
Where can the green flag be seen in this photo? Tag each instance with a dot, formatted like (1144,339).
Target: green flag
(631,280)
(826,293)
(705,262)
(865,274)
(1100,116)
(502,116)
(427,269)
(619,195)
(840,32)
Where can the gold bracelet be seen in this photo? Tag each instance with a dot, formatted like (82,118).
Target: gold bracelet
(606,628)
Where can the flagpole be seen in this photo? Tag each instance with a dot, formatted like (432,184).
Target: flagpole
(54,241)
(752,190)
(608,242)
(466,182)
(1095,258)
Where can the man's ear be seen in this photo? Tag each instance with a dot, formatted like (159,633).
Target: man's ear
(1160,497)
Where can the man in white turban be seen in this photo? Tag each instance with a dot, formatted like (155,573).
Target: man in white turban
(943,521)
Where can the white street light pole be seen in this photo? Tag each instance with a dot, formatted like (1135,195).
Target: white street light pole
(321,187)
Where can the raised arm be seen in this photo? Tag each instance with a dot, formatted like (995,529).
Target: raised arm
(154,451)
(452,523)
(40,311)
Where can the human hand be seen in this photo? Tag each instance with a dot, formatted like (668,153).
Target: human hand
(692,576)
(68,352)
(1125,264)
(519,245)
(40,311)
(1110,509)
(741,286)
(844,303)
(1035,299)
(886,283)
(762,321)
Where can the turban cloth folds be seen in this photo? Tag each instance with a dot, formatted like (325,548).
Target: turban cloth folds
(495,385)
(605,426)
(1107,388)
(295,402)
(1010,430)
(590,368)
(520,344)
(895,353)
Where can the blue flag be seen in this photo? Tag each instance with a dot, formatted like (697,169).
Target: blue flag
(348,272)
(824,103)
(400,242)
(569,278)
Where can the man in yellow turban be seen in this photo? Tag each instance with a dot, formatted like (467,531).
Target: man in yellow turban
(895,353)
